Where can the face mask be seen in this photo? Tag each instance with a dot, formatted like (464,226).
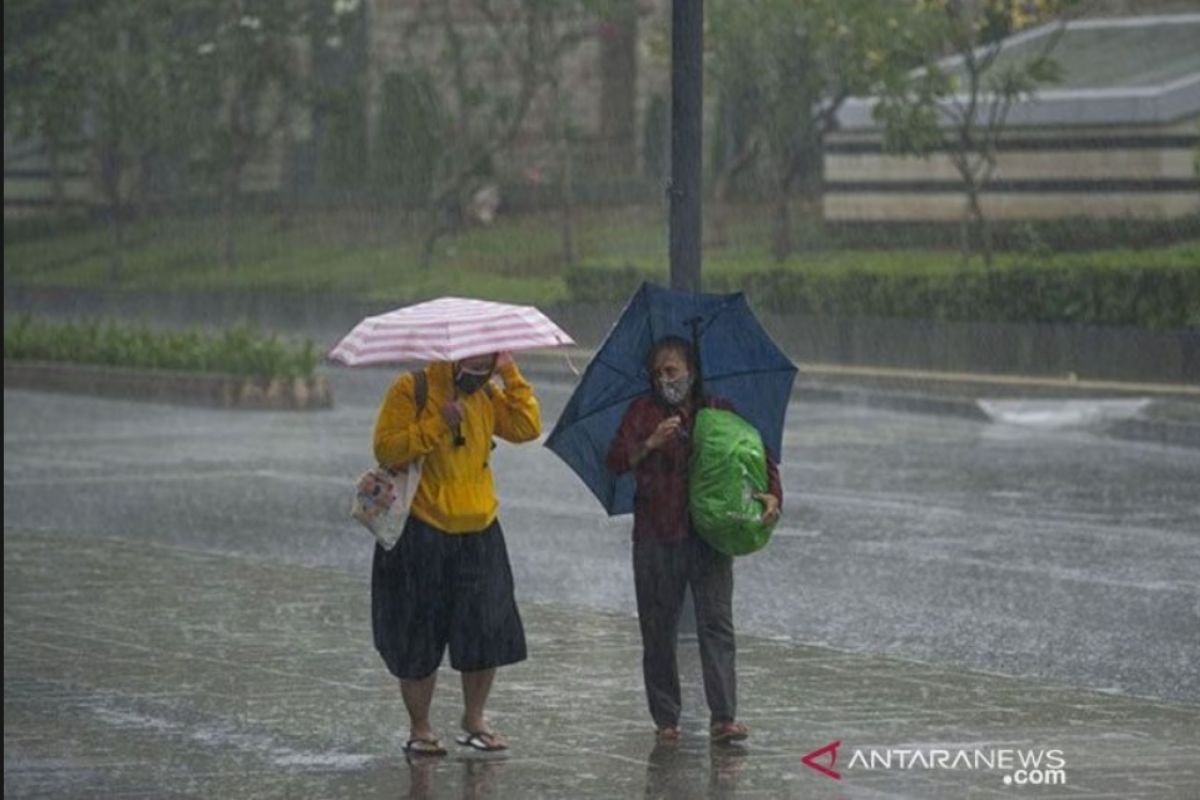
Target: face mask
(470,382)
(676,391)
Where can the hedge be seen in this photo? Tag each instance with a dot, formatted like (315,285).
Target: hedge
(1156,297)
(238,350)
(1035,237)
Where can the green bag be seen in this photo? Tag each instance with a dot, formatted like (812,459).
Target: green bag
(729,465)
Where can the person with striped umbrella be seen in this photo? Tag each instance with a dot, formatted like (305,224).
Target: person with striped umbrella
(447,583)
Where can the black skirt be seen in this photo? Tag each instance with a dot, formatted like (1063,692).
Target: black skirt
(435,589)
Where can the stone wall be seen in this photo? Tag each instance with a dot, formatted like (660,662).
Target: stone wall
(1141,172)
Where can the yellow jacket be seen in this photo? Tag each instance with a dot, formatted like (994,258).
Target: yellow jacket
(456,493)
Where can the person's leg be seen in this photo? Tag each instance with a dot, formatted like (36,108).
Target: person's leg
(409,620)
(485,626)
(659,576)
(418,697)
(712,587)
(476,686)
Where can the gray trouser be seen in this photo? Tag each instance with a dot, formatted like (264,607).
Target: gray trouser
(661,572)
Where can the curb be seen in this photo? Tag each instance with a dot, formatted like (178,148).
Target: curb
(912,402)
(211,389)
(946,394)
(1178,434)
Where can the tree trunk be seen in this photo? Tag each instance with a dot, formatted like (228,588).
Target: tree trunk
(964,234)
(722,211)
(110,184)
(58,195)
(723,188)
(435,230)
(618,85)
(230,186)
(289,188)
(116,267)
(984,226)
(985,229)
(565,187)
(977,228)
(781,234)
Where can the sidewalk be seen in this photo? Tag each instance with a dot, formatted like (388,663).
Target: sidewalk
(155,672)
(1172,415)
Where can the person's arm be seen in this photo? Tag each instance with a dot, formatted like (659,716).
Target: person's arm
(399,436)
(774,484)
(628,447)
(631,446)
(773,497)
(518,417)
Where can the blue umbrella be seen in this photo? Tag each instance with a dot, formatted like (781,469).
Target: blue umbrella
(739,362)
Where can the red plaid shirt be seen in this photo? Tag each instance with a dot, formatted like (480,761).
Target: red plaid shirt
(660,505)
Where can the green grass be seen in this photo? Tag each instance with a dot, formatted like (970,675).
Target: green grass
(732,264)
(367,257)
(518,259)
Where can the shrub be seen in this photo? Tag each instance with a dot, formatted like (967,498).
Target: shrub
(1053,235)
(1159,290)
(238,350)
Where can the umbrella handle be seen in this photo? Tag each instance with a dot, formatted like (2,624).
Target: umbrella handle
(456,429)
(698,386)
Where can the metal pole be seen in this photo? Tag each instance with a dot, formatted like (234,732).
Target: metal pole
(687,97)
(687,136)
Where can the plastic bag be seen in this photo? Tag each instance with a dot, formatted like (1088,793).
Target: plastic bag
(728,466)
(382,499)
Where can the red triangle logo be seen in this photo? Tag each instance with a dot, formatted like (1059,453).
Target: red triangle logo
(810,760)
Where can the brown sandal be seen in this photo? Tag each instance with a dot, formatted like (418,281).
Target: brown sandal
(729,732)
(419,746)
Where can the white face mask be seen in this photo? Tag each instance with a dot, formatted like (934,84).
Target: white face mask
(676,391)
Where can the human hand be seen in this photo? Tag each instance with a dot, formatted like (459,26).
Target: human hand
(452,412)
(667,430)
(770,506)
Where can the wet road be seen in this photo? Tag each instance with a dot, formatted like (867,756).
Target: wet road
(1057,554)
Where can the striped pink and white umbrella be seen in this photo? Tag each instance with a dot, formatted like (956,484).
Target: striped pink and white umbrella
(447,329)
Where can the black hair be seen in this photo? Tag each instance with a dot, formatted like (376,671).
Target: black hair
(495,359)
(676,344)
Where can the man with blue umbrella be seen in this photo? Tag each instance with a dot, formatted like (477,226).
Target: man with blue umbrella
(626,432)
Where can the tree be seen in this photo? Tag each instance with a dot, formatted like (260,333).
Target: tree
(487,63)
(782,69)
(618,35)
(97,78)
(250,76)
(562,134)
(962,108)
(45,82)
(246,76)
(338,95)
(144,82)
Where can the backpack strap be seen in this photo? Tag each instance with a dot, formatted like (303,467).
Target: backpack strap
(421,389)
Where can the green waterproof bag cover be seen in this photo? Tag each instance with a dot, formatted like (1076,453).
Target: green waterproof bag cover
(729,464)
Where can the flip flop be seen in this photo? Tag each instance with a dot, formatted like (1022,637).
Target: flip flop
(484,741)
(669,734)
(424,747)
(729,732)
